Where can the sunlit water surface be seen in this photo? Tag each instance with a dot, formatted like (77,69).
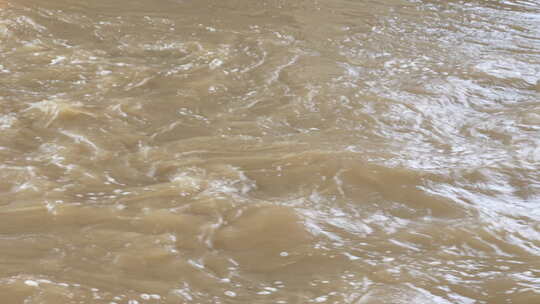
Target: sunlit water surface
(309,151)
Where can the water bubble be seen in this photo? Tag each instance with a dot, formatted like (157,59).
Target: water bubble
(31,283)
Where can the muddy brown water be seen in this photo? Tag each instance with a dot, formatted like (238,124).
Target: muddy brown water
(243,151)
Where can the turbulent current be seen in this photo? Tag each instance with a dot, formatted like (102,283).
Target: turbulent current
(269,151)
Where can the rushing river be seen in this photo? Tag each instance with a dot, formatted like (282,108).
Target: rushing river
(269,151)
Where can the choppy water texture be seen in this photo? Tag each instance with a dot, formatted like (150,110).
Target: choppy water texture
(310,151)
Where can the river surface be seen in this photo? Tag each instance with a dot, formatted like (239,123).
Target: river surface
(290,152)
